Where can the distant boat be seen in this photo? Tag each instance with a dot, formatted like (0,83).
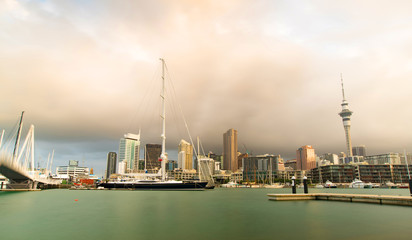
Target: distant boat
(229,185)
(357,184)
(319,185)
(368,185)
(389,184)
(274,185)
(329,184)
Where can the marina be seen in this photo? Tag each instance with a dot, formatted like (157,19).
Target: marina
(223,213)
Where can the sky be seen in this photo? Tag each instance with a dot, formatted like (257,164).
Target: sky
(87,72)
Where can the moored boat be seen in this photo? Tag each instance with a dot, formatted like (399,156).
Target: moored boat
(157,184)
(275,185)
(368,185)
(154,185)
(329,184)
(356,184)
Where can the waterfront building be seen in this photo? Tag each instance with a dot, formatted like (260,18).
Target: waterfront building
(129,151)
(185,156)
(359,150)
(230,161)
(179,174)
(259,168)
(387,158)
(111,164)
(342,173)
(290,164)
(345,115)
(305,158)
(236,177)
(374,173)
(72,171)
(152,156)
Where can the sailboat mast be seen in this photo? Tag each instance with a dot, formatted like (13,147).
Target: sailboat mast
(51,162)
(16,144)
(407,165)
(163,136)
(1,138)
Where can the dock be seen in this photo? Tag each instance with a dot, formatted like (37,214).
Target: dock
(359,198)
(19,190)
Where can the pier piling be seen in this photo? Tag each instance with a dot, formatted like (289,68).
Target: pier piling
(410,186)
(305,185)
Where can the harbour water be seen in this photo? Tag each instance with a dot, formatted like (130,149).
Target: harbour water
(215,214)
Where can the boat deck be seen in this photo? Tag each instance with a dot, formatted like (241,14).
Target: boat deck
(361,198)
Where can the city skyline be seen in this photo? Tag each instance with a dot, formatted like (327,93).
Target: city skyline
(80,71)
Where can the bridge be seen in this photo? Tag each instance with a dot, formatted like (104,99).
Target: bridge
(20,178)
(19,167)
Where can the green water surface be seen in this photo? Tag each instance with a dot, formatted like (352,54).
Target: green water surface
(212,214)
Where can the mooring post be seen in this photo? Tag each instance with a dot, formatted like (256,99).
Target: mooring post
(305,185)
(410,186)
(293,185)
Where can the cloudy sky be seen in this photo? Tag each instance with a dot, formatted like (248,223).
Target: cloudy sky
(85,73)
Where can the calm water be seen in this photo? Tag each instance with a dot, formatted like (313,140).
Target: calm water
(214,214)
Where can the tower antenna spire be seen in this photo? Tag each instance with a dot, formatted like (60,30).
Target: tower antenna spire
(343,90)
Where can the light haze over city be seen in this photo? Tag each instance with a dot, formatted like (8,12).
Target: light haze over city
(81,71)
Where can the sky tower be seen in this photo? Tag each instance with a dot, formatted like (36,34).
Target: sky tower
(345,114)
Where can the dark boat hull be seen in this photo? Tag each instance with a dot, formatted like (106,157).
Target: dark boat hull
(155,186)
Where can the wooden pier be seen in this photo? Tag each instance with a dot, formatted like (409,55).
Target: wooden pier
(360,198)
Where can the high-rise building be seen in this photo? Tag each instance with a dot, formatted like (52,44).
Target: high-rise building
(345,115)
(111,164)
(230,150)
(332,158)
(152,155)
(359,150)
(305,158)
(185,157)
(129,150)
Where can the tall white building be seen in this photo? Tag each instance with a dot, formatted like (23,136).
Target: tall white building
(181,160)
(185,157)
(129,151)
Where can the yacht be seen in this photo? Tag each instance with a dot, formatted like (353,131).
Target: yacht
(329,184)
(356,184)
(157,184)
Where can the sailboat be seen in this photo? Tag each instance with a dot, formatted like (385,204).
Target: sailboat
(157,184)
